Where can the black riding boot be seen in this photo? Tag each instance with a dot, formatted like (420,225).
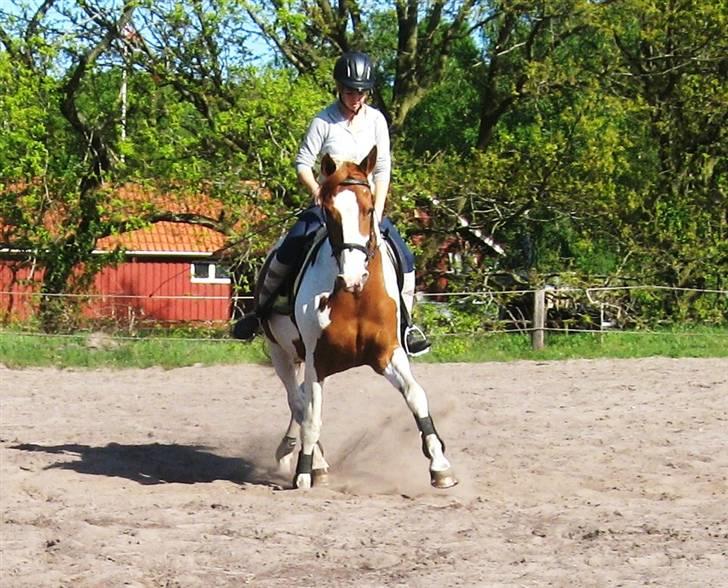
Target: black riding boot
(248,326)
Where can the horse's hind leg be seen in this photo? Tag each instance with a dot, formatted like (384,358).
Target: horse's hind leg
(399,373)
(289,372)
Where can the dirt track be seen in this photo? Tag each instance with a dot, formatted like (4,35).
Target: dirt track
(578,473)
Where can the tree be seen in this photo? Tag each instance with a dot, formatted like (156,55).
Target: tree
(63,91)
(309,35)
(89,154)
(530,50)
(672,65)
(532,167)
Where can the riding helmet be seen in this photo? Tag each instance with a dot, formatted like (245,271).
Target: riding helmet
(354,70)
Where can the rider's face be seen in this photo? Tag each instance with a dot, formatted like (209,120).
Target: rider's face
(353,98)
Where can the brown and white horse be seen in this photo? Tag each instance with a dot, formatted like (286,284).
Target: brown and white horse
(347,314)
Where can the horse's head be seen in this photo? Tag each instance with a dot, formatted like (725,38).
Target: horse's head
(348,204)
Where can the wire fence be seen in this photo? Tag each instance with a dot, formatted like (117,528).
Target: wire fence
(641,309)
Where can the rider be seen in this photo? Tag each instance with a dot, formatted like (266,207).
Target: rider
(346,130)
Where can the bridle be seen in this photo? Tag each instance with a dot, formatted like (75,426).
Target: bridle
(367,249)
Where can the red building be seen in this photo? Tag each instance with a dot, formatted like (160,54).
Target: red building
(169,274)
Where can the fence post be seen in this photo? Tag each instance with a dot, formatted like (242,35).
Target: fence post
(539,319)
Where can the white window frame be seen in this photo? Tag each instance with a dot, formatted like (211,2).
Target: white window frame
(211,270)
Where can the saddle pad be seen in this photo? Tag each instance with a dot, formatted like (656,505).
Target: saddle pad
(284,301)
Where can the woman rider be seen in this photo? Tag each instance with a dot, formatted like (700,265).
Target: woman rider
(346,130)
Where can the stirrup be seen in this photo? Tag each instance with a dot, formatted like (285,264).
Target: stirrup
(414,341)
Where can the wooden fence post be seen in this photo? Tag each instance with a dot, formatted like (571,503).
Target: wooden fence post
(539,319)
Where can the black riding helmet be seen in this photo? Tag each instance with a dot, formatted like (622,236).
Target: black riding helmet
(355,70)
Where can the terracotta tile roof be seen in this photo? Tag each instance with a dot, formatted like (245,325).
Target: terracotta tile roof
(166,237)
(134,199)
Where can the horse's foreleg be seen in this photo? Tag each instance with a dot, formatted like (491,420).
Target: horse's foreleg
(399,373)
(310,431)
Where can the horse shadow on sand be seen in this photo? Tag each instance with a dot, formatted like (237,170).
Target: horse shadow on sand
(154,463)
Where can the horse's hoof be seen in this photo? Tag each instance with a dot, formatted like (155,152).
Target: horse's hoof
(285,448)
(321,477)
(444,479)
(302,481)
(285,466)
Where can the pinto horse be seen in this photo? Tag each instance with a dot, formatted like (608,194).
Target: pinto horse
(346,314)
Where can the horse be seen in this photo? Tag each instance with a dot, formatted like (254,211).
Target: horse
(346,313)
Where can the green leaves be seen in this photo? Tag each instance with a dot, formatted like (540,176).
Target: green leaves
(578,136)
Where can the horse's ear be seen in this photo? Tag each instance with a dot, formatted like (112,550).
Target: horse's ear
(367,164)
(328,166)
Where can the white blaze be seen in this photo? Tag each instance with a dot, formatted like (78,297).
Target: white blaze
(354,271)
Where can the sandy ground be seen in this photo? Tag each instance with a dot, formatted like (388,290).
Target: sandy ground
(577,473)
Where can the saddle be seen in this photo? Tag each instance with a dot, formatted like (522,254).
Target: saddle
(282,302)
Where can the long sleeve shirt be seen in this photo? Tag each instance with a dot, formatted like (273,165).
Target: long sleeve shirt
(330,132)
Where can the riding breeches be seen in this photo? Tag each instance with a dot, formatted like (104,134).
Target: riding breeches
(290,250)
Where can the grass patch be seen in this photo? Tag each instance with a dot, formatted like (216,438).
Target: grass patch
(697,342)
(18,350)
(88,351)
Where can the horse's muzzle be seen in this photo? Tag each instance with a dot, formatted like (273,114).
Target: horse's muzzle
(354,284)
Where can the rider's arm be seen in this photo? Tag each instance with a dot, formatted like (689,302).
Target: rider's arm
(308,181)
(381,188)
(307,154)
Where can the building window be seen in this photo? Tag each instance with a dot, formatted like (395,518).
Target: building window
(208,272)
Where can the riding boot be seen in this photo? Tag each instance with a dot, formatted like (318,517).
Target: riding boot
(415,341)
(247,327)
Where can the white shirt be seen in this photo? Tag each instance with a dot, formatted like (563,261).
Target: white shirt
(330,132)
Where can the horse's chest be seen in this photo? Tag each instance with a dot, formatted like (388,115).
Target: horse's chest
(355,331)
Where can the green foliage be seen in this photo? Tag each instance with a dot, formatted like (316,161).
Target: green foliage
(446,118)
(23,151)
(577,136)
